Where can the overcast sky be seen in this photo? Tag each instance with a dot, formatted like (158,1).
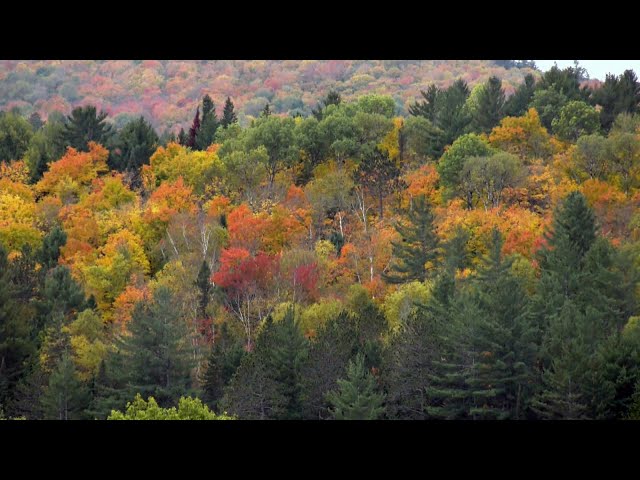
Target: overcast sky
(596,68)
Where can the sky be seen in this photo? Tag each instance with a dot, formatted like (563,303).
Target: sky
(596,68)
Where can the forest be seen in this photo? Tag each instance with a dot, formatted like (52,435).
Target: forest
(474,254)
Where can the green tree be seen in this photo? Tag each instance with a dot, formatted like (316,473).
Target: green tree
(85,125)
(15,136)
(548,103)
(203,283)
(502,340)
(421,138)
(51,245)
(426,108)
(228,114)
(576,119)
(490,108)
(65,398)
(379,174)
(452,162)
(624,159)
(332,98)
(188,409)
(416,254)
(518,103)
(157,352)
(487,177)
(618,94)
(591,156)
(357,397)
(47,145)
(133,146)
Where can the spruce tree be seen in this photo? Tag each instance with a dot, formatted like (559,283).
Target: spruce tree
(65,397)
(157,351)
(228,114)
(266,111)
(182,138)
(225,357)
(209,126)
(502,340)
(416,254)
(133,146)
(357,397)
(518,103)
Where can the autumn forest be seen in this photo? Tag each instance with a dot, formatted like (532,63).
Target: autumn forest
(311,240)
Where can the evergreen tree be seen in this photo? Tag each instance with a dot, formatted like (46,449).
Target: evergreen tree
(228,114)
(357,398)
(332,98)
(518,103)
(267,384)
(193,131)
(15,342)
(65,397)
(157,353)
(85,125)
(490,109)
(182,138)
(617,95)
(428,107)
(379,174)
(225,357)
(203,283)
(502,340)
(266,111)
(210,124)
(329,353)
(452,116)
(417,253)
(51,245)
(133,146)
(36,121)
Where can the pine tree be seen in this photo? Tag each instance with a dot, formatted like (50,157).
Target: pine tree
(379,174)
(417,253)
(51,245)
(228,114)
(490,109)
(157,353)
(209,126)
(65,398)
(224,359)
(329,353)
(502,340)
(133,146)
(357,398)
(85,125)
(193,131)
(332,98)
(266,111)
(518,103)
(267,384)
(428,107)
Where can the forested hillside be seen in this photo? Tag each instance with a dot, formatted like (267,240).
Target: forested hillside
(477,257)
(166,92)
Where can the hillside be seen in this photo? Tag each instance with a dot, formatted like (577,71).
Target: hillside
(166,92)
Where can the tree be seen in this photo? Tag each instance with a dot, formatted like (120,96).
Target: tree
(193,131)
(203,283)
(225,358)
(356,398)
(267,384)
(502,340)
(228,114)
(210,124)
(452,162)
(624,151)
(548,104)
(85,125)
(15,332)
(591,156)
(518,103)
(617,95)
(428,107)
(576,119)
(182,138)
(15,136)
(417,253)
(421,138)
(188,409)
(487,177)
(36,121)
(157,352)
(332,98)
(490,108)
(379,174)
(266,111)
(51,245)
(133,146)
(65,398)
